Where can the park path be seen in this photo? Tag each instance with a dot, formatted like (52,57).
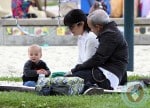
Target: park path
(62,58)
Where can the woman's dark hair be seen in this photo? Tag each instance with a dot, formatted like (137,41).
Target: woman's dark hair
(75,16)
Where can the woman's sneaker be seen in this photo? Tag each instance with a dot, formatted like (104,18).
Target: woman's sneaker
(94,91)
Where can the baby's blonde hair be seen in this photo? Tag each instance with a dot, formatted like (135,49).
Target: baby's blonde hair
(35,46)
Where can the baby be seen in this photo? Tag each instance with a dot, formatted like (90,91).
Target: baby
(34,66)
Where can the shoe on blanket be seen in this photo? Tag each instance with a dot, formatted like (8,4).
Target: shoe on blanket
(146,81)
(94,91)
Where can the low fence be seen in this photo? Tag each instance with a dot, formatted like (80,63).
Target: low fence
(47,32)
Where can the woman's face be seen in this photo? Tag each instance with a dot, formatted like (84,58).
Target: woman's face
(77,28)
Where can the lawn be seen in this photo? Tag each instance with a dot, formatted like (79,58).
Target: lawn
(33,100)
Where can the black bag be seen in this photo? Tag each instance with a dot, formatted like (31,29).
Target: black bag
(54,90)
(60,90)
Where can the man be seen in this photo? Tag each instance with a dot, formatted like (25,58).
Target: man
(107,67)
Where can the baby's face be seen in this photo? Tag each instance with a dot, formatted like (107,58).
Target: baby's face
(34,54)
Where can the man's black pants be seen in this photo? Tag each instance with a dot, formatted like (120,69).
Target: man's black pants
(92,77)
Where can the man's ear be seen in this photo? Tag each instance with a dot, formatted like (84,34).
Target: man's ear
(99,27)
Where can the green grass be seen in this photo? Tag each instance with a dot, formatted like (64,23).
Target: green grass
(136,77)
(33,100)
(15,79)
(52,3)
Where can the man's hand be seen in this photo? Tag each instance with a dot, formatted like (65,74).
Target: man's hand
(77,68)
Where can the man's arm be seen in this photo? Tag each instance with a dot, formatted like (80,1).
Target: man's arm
(104,51)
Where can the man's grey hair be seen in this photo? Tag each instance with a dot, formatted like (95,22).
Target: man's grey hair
(99,16)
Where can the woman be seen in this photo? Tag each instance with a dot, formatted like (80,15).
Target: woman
(87,43)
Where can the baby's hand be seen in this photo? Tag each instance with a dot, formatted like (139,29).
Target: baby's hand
(39,71)
(44,71)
